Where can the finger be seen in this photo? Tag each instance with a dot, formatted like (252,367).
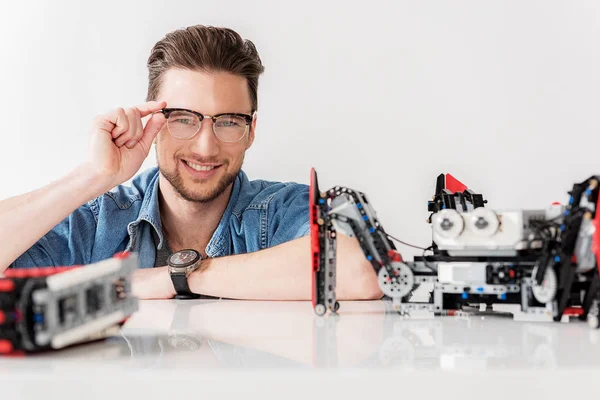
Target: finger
(154,125)
(139,130)
(150,107)
(130,134)
(119,121)
(103,123)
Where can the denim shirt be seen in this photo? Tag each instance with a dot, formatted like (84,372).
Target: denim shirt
(260,214)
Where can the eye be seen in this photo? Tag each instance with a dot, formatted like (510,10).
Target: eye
(183,118)
(184,121)
(230,121)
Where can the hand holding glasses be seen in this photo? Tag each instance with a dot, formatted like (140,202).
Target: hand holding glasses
(119,143)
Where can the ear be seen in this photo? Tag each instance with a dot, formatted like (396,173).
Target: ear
(252,132)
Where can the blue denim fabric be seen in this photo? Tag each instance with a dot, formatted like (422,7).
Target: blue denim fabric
(260,214)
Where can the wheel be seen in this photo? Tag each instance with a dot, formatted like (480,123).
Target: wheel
(401,284)
(448,223)
(320,309)
(336,306)
(484,222)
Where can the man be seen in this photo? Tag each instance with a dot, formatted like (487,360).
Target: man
(201,114)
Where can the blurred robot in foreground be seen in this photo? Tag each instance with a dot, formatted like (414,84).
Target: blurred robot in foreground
(52,308)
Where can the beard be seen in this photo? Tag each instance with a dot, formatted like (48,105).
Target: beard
(206,195)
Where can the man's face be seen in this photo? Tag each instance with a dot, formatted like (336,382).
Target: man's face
(208,94)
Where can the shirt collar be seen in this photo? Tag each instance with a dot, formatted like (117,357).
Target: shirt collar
(150,212)
(221,237)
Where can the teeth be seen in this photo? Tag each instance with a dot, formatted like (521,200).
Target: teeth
(199,167)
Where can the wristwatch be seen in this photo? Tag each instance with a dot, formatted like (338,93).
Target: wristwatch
(181,264)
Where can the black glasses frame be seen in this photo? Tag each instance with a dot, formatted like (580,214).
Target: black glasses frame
(168,111)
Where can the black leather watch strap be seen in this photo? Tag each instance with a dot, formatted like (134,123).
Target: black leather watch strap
(180,284)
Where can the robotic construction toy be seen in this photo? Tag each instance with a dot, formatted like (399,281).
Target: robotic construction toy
(536,264)
(52,308)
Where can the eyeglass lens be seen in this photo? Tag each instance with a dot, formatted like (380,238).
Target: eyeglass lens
(184,125)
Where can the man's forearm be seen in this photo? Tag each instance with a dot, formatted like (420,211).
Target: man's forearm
(33,214)
(284,273)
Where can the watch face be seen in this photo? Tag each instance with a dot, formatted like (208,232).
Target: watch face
(183,257)
(184,342)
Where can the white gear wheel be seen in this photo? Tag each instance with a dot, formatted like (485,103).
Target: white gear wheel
(545,292)
(400,284)
(484,222)
(448,223)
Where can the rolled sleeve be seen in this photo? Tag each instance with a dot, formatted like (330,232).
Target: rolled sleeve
(68,243)
(288,214)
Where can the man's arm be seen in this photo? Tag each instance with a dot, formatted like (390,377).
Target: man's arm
(27,218)
(281,272)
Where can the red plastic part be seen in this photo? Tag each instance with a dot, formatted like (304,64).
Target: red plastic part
(596,236)
(394,255)
(6,285)
(19,353)
(21,273)
(573,311)
(122,255)
(5,347)
(454,185)
(314,236)
(15,273)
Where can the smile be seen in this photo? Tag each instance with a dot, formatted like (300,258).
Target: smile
(200,167)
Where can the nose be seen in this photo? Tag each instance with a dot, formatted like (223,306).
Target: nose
(205,144)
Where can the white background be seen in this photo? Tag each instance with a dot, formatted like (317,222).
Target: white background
(378,96)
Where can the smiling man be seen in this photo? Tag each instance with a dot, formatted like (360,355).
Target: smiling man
(199,225)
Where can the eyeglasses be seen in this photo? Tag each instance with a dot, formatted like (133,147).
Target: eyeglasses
(227,127)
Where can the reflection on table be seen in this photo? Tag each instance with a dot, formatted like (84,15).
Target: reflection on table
(247,334)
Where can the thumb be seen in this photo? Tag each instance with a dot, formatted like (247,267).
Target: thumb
(154,125)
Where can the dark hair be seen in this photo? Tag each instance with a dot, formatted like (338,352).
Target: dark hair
(208,49)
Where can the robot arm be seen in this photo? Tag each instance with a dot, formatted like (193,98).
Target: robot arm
(349,212)
(352,215)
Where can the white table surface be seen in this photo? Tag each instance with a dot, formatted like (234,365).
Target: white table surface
(229,349)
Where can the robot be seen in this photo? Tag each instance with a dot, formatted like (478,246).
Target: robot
(536,264)
(43,309)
